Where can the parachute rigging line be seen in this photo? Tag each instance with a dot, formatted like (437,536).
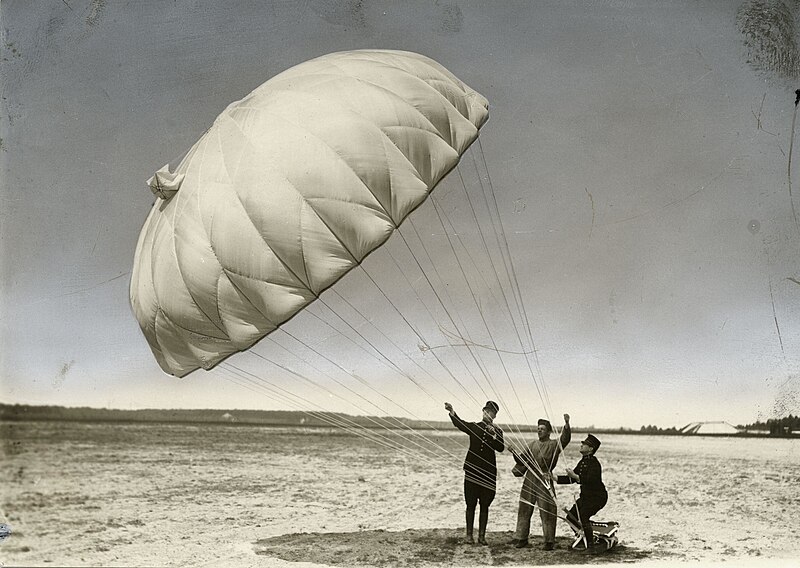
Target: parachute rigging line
(411,360)
(433,318)
(495,347)
(341,422)
(512,275)
(340,367)
(264,386)
(338,423)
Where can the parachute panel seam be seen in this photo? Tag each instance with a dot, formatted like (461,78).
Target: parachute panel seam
(306,200)
(250,219)
(190,331)
(238,289)
(341,158)
(439,97)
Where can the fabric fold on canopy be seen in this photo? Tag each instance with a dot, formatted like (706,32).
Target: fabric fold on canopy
(289,189)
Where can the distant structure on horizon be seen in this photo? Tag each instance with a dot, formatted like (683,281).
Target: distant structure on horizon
(700,428)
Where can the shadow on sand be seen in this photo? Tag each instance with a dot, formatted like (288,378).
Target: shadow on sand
(431,547)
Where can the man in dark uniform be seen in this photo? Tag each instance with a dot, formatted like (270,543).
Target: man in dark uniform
(589,473)
(480,465)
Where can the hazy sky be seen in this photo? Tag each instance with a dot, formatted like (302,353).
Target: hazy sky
(638,152)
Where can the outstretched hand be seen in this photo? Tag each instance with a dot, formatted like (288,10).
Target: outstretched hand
(448,407)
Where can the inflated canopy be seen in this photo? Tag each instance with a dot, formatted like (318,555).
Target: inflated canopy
(289,189)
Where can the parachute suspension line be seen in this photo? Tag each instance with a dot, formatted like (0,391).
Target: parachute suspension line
(325,416)
(506,257)
(433,318)
(411,287)
(262,387)
(265,387)
(340,367)
(345,423)
(483,320)
(427,455)
(489,381)
(441,302)
(408,323)
(399,423)
(512,275)
(391,363)
(497,276)
(365,383)
(502,242)
(475,299)
(420,367)
(392,303)
(460,332)
(356,377)
(295,373)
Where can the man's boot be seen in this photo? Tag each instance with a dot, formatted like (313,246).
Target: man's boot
(470,523)
(482,522)
(591,547)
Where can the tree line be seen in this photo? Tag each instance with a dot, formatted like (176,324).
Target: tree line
(777,426)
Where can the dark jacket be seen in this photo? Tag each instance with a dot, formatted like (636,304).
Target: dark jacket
(480,465)
(591,473)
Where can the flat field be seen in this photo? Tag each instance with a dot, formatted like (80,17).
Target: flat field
(113,494)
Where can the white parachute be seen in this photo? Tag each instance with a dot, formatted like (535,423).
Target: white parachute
(289,189)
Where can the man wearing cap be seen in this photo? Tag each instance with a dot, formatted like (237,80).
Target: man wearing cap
(593,497)
(536,463)
(480,466)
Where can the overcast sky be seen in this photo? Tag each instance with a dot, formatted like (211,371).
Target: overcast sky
(639,155)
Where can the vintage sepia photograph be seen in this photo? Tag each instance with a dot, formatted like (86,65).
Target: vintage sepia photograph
(384,283)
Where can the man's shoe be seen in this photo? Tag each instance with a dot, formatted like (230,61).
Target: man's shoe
(522,543)
(548,546)
(513,541)
(469,540)
(594,549)
(482,541)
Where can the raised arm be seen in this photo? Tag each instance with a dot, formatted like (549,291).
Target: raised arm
(457,422)
(566,432)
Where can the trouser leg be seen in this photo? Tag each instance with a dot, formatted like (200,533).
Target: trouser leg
(471,498)
(547,511)
(470,518)
(524,514)
(487,496)
(587,509)
(483,520)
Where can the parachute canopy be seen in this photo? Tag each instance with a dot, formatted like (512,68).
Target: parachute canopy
(289,189)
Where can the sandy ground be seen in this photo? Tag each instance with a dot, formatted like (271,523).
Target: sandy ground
(187,495)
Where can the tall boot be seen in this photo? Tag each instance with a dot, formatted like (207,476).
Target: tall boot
(470,524)
(483,520)
(591,547)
